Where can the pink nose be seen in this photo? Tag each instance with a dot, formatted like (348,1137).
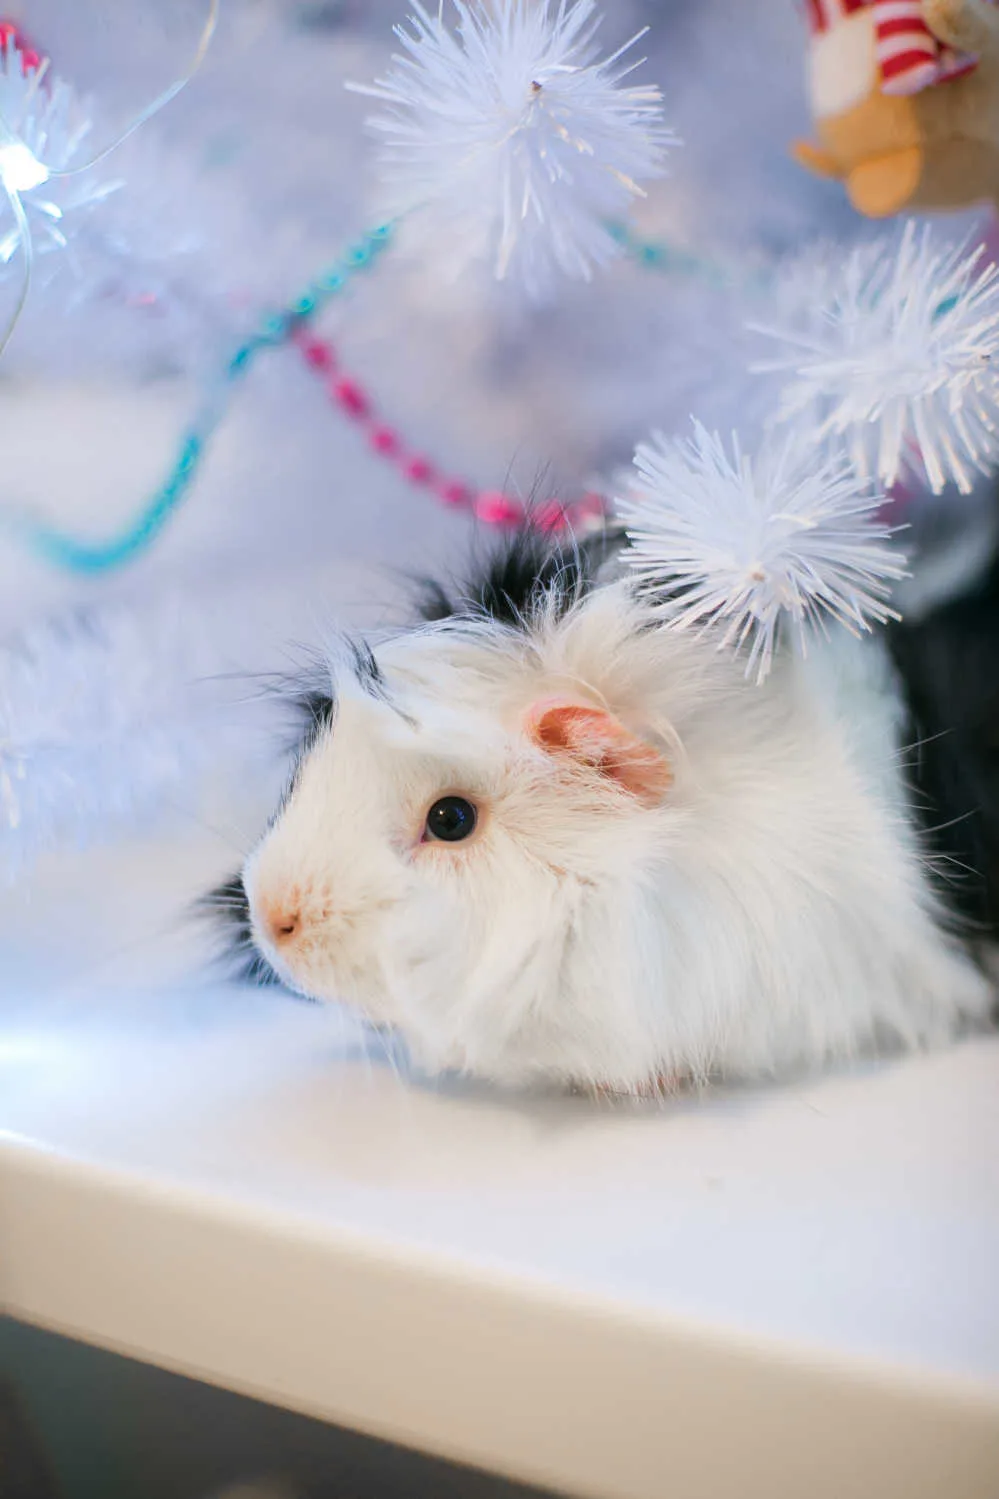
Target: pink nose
(280,920)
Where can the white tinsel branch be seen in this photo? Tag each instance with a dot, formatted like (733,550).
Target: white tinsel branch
(511,140)
(105,719)
(895,351)
(42,126)
(790,535)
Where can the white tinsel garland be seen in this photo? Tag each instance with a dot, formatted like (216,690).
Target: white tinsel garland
(894,350)
(788,535)
(107,719)
(511,140)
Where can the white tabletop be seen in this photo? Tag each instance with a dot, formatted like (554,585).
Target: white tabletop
(787,1291)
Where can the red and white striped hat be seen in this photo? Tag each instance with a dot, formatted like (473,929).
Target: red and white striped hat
(909,56)
(825,13)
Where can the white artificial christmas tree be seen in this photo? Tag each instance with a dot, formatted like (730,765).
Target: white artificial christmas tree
(524,140)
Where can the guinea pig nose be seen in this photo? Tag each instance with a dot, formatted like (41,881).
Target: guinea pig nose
(281,922)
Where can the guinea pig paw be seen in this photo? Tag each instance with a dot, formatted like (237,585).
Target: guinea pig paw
(814,159)
(661,1086)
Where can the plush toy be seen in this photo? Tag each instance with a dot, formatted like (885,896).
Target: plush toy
(905,95)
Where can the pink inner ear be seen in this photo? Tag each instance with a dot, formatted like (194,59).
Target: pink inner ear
(594,737)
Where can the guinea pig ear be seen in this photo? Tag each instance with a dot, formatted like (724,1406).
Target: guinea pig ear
(595,738)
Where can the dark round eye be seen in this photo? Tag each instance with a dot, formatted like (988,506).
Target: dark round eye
(451,819)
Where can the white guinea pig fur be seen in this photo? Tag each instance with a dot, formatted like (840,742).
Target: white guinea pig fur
(689,877)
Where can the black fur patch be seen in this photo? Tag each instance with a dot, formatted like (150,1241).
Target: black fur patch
(949,667)
(510,582)
(228,905)
(316,709)
(366,668)
(312,696)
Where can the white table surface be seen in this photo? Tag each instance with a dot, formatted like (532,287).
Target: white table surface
(783,1292)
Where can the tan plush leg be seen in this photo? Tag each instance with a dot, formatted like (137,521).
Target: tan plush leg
(885,184)
(814,159)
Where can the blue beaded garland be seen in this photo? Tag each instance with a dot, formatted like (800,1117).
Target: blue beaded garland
(82,556)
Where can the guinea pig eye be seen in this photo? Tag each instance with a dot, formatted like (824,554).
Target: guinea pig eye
(451,819)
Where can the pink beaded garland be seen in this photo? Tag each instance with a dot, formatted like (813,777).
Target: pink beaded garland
(418,471)
(497,509)
(493,507)
(351,397)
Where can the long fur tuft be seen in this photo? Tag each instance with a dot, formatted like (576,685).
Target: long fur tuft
(513,580)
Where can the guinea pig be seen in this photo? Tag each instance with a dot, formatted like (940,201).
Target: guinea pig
(547,837)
